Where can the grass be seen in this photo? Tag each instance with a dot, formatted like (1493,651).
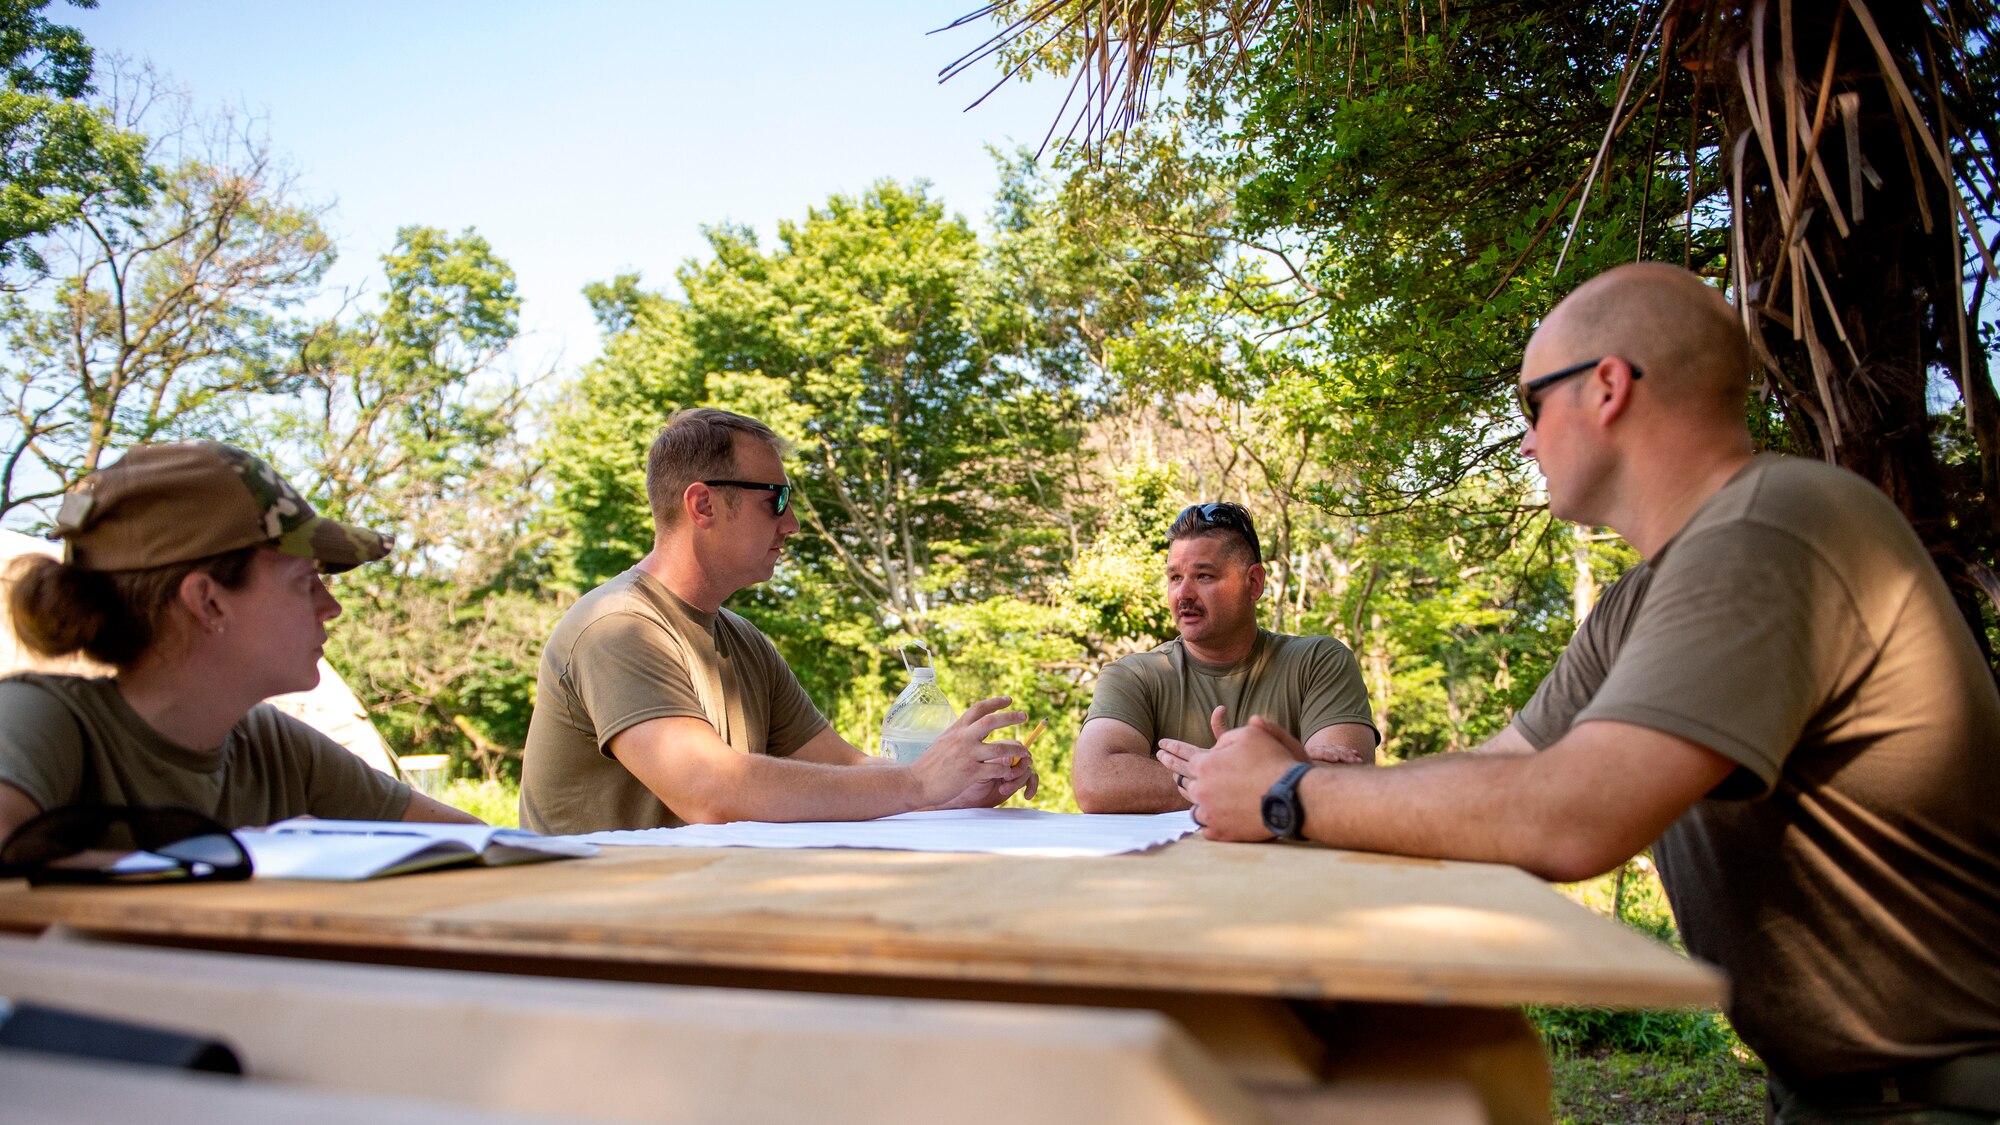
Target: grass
(1675,1067)
(495,802)
(1683,1067)
(1605,1087)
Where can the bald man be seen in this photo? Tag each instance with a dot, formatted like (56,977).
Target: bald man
(1781,699)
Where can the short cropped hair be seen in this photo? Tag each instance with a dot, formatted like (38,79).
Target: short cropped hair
(696,444)
(1221,519)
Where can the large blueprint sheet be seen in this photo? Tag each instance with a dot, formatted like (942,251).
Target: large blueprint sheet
(992,831)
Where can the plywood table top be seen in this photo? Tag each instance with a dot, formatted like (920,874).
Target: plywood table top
(1265,920)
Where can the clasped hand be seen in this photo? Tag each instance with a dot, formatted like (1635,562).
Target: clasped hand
(1226,782)
(962,770)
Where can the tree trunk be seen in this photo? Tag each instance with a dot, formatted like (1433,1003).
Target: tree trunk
(1852,323)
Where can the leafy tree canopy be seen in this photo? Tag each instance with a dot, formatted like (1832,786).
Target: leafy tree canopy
(56,151)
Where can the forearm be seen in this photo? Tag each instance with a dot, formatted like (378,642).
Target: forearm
(760,787)
(1484,809)
(431,810)
(1510,740)
(1574,810)
(1125,783)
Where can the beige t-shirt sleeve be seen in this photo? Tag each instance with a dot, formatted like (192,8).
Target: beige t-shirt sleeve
(625,669)
(1121,694)
(1585,661)
(339,785)
(1741,635)
(41,745)
(1333,691)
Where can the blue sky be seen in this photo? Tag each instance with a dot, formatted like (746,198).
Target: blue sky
(585,138)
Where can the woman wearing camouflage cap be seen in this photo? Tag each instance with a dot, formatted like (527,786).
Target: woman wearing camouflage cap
(194,571)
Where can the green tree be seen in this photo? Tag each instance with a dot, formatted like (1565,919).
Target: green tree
(57,152)
(401,414)
(158,317)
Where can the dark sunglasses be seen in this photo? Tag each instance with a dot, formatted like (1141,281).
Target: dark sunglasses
(1525,393)
(94,844)
(1232,516)
(778,507)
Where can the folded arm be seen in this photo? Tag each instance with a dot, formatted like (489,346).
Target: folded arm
(1114,771)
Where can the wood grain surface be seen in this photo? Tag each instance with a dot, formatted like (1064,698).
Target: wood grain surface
(1295,922)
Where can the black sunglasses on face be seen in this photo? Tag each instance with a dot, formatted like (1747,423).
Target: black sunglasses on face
(1231,516)
(80,844)
(1525,392)
(778,506)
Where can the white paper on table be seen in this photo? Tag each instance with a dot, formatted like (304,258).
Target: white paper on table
(1030,832)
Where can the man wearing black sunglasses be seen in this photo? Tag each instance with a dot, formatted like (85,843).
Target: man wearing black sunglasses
(1782,701)
(655,706)
(1221,670)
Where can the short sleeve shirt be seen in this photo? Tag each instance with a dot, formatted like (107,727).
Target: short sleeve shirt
(1847,875)
(630,651)
(1303,684)
(74,740)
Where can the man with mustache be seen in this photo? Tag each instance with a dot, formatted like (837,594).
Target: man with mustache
(1219,672)
(655,706)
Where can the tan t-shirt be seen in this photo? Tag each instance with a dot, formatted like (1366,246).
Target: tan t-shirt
(1847,876)
(1304,684)
(630,651)
(68,740)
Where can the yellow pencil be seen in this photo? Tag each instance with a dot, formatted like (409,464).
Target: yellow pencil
(1028,741)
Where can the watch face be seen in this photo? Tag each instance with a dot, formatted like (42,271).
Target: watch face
(1277,815)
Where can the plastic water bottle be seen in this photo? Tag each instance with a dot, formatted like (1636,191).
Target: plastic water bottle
(919,715)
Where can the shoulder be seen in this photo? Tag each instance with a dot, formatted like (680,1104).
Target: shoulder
(1821,506)
(32,698)
(51,686)
(1774,479)
(620,595)
(1140,672)
(618,613)
(1153,662)
(1782,517)
(37,701)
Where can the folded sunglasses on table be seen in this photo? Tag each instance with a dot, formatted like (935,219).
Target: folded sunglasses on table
(122,845)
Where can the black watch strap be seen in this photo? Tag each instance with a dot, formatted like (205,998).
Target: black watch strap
(1284,815)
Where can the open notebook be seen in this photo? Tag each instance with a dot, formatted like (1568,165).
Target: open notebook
(367,849)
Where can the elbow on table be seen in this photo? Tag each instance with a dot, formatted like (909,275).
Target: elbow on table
(1571,857)
(1097,795)
(1090,797)
(694,808)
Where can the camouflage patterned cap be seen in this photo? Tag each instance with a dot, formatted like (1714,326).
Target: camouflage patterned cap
(165,504)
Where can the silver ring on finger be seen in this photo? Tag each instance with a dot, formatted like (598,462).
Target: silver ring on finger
(1194,811)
